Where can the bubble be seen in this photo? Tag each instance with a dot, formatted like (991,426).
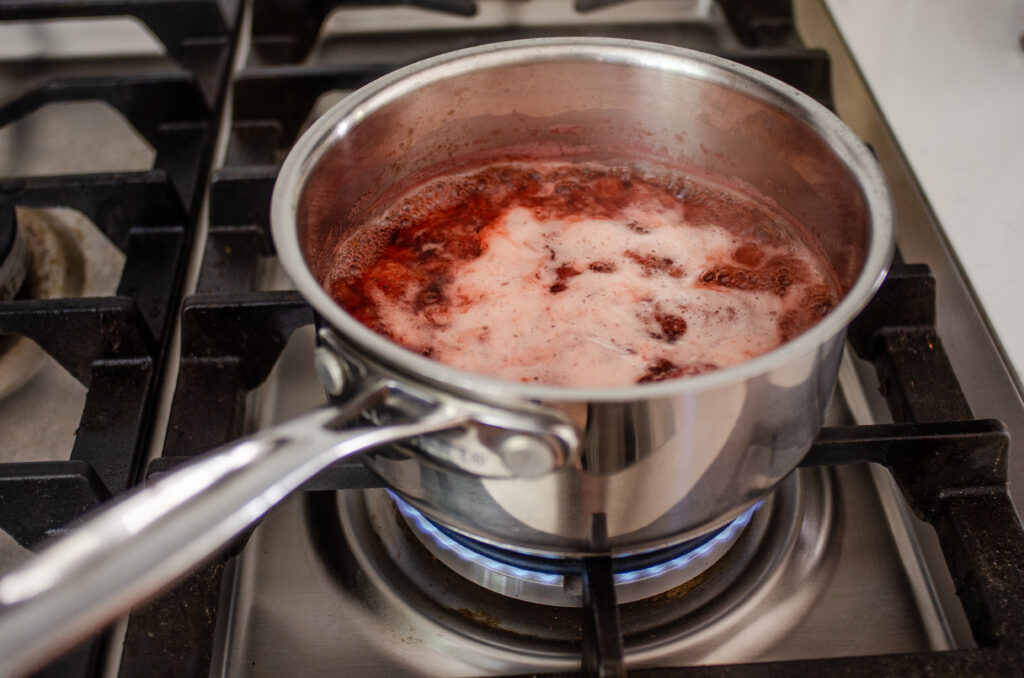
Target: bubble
(601,280)
(748,254)
(673,326)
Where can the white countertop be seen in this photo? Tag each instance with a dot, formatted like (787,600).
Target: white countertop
(948,76)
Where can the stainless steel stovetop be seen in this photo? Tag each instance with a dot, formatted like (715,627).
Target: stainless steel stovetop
(837,573)
(846,575)
(333,583)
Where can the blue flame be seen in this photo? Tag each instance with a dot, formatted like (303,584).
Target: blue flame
(447,543)
(706,549)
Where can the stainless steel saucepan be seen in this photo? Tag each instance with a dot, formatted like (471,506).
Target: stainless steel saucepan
(553,470)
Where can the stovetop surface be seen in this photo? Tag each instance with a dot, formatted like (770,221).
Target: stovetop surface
(866,594)
(849,592)
(869,580)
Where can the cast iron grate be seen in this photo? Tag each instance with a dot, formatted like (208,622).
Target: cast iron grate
(197,35)
(284,31)
(114,346)
(952,472)
(165,108)
(265,125)
(233,335)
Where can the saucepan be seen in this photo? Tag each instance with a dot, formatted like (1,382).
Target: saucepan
(551,470)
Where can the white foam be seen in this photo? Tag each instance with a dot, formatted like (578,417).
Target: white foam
(500,316)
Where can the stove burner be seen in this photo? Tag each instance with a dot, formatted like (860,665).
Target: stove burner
(383,565)
(64,256)
(551,581)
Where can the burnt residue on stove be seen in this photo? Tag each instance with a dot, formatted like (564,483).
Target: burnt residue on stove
(483,618)
(199,600)
(683,589)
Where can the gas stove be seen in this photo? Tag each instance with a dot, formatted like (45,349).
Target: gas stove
(137,167)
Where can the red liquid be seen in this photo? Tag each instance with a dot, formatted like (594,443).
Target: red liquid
(581,275)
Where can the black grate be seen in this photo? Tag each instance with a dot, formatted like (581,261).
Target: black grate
(197,35)
(265,125)
(232,335)
(283,31)
(221,364)
(114,346)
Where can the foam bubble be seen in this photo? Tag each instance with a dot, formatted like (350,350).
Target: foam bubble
(569,274)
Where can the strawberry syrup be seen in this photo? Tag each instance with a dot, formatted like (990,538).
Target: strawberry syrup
(582,274)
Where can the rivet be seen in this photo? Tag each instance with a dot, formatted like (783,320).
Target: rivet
(329,371)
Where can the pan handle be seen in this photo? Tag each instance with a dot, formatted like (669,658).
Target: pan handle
(138,546)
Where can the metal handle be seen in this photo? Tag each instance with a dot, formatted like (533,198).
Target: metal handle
(138,546)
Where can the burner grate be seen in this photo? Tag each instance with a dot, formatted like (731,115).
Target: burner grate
(197,34)
(951,468)
(952,473)
(954,476)
(962,488)
(263,127)
(166,109)
(114,346)
(285,30)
